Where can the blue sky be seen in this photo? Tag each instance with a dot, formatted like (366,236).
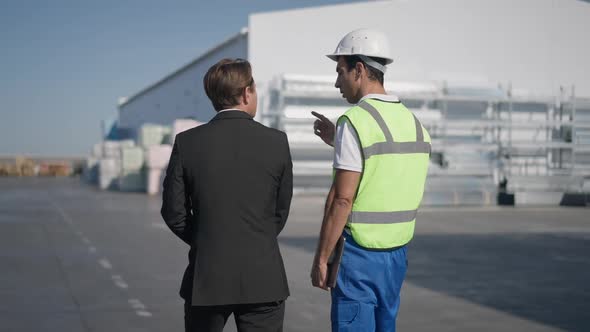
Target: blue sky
(63,64)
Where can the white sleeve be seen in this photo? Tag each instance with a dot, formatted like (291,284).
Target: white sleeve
(347,151)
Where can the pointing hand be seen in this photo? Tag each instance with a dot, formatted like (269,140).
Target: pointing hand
(324,128)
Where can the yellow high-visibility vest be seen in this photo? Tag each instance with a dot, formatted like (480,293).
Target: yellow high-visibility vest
(396,151)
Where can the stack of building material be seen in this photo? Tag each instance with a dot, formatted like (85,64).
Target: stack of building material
(108,173)
(90,173)
(7,169)
(107,155)
(55,169)
(132,177)
(157,161)
(25,166)
(180,125)
(112,149)
(152,134)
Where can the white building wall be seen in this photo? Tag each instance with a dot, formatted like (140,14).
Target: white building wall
(537,45)
(181,94)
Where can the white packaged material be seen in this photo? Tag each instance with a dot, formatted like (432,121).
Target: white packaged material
(118,144)
(107,181)
(91,162)
(158,156)
(131,158)
(180,125)
(110,165)
(152,134)
(127,143)
(132,180)
(108,173)
(155,180)
(111,149)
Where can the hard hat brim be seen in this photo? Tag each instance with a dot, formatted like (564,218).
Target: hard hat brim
(334,57)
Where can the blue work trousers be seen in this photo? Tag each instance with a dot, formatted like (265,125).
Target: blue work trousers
(367,293)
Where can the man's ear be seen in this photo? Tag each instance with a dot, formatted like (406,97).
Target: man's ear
(360,68)
(244,96)
(247,95)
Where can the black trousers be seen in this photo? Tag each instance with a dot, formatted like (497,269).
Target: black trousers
(256,317)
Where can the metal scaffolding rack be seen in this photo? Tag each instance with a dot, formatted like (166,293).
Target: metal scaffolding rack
(485,139)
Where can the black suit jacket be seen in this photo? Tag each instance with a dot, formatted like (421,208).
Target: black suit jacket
(227,193)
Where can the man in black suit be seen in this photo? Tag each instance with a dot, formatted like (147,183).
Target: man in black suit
(227,193)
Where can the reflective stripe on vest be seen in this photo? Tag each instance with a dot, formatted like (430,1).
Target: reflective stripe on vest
(364,217)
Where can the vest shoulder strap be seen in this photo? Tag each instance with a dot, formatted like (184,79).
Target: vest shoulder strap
(390,146)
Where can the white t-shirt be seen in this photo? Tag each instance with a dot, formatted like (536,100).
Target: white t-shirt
(347,149)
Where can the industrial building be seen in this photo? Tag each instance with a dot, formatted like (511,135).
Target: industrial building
(502,86)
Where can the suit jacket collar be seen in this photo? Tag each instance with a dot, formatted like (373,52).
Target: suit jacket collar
(233,114)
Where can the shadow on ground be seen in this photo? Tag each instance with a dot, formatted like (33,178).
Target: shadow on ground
(539,277)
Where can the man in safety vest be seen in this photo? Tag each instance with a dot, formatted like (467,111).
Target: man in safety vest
(381,157)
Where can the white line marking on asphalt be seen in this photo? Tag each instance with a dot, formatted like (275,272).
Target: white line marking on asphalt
(105,263)
(61,212)
(140,308)
(136,304)
(143,313)
(119,282)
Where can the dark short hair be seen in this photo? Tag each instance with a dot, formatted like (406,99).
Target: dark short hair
(372,73)
(225,82)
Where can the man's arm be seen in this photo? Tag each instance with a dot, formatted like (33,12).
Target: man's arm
(338,207)
(329,201)
(285,190)
(175,203)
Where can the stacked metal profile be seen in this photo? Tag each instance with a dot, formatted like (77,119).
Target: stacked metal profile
(580,108)
(484,139)
(555,158)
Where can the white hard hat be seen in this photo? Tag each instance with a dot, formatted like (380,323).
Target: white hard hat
(365,43)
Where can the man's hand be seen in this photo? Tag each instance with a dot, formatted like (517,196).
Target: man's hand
(319,275)
(324,128)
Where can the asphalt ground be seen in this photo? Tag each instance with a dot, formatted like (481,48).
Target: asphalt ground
(73,258)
